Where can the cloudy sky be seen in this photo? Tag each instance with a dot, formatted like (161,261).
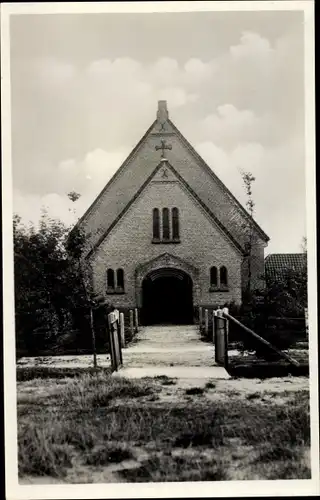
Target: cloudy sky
(85,89)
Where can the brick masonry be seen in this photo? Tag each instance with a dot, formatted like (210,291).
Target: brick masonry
(202,245)
(119,223)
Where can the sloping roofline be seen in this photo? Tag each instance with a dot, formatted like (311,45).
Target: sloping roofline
(219,182)
(115,175)
(191,191)
(264,236)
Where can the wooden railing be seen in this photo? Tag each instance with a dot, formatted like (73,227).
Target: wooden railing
(261,339)
(220,334)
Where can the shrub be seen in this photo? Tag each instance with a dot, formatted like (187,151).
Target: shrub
(194,390)
(39,454)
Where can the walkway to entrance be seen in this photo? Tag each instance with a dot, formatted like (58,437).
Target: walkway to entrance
(174,351)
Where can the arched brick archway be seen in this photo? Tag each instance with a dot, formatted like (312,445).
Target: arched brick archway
(166,290)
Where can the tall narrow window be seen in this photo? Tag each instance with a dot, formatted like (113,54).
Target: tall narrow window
(120,279)
(110,279)
(156,224)
(223,276)
(213,277)
(175,224)
(165,224)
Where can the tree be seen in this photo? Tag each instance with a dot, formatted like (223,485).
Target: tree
(74,246)
(248,180)
(42,287)
(277,312)
(52,295)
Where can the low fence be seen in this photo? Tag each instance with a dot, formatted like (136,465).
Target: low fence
(285,331)
(116,334)
(215,325)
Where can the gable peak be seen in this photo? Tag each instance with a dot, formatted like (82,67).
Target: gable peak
(162,113)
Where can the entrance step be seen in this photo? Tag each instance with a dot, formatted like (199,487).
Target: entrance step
(167,357)
(167,346)
(181,372)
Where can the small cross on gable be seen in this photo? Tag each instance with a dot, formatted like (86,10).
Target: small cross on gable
(163,147)
(165,173)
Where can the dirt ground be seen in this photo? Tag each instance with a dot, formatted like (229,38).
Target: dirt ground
(170,394)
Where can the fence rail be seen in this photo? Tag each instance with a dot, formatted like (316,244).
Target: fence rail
(220,334)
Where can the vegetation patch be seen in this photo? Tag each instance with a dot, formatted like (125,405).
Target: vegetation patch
(93,420)
(40,454)
(171,468)
(194,391)
(25,373)
(265,370)
(210,385)
(105,454)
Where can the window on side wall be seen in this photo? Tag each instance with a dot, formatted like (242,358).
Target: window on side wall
(213,277)
(110,281)
(223,277)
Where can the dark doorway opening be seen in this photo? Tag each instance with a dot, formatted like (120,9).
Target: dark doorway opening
(167,298)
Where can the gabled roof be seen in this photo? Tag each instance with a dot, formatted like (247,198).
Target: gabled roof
(264,236)
(276,264)
(135,172)
(191,192)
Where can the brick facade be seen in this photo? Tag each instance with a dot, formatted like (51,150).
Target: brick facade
(119,224)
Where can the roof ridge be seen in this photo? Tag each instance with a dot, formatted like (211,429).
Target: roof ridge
(141,189)
(216,178)
(114,176)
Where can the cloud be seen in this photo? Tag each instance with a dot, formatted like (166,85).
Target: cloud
(31,207)
(278,191)
(73,124)
(252,45)
(230,125)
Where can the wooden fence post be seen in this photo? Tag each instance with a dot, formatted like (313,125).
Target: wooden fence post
(111,343)
(200,318)
(122,330)
(306,319)
(206,322)
(136,322)
(115,343)
(220,345)
(214,314)
(131,323)
(225,310)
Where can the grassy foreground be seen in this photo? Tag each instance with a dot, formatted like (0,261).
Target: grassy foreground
(97,428)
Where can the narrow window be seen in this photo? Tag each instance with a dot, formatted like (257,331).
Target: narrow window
(213,276)
(223,276)
(110,279)
(165,224)
(156,224)
(120,279)
(175,224)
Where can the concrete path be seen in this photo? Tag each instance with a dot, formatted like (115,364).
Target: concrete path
(174,351)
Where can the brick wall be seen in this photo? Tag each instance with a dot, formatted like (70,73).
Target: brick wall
(202,245)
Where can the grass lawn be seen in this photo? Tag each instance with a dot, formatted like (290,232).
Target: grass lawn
(97,428)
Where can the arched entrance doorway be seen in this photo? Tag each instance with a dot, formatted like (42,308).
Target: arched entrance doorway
(167,297)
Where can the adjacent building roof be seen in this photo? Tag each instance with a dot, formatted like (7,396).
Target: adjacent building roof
(277,263)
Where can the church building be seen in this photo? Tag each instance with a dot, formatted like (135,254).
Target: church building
(165,235)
